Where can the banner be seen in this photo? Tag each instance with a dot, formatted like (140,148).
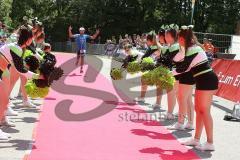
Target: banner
(228,72)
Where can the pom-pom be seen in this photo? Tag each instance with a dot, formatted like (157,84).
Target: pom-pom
(41,83)
(55,75)
(50,58)
(147,78)
(128,59)
(163,78)
(116,74)
(147,64)
(32,63)
(133,67)
(36,92)
(47,64)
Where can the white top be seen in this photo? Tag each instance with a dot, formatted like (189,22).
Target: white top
(201,56)
(5,50)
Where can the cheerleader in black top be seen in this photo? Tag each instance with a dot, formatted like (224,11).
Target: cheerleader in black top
(168,50)
(12,65)
(152,51)
(184,84)
(194,59)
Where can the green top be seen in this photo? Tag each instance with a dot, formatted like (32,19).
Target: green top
(153,47)
(16,49)
(194,50)
(164,49)
(174,47)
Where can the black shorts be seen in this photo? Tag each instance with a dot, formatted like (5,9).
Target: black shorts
(186,78)
(81,53)
(207,81)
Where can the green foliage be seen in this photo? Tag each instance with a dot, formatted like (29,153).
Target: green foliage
(35,92)
(5,10)
(121,16)
(116,74)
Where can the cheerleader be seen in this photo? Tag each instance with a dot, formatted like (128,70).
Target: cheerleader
(183,86)
(12,63)
(152,51)
(194,59)
(38,38)
(168,47)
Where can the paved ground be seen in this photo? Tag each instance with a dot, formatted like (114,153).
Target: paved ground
(226,134)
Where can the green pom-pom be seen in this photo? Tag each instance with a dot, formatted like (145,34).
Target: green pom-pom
(35,92)
(116,74)
(147,64)
(163,78)
(133,67)
(147,78)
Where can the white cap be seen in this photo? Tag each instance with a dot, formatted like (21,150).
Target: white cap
(81,29)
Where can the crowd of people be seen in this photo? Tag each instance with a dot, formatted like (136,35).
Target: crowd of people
(179,50)
(139,42)
(24,55)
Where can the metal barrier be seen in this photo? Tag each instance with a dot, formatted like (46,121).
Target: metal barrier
(71,47)
(222,42)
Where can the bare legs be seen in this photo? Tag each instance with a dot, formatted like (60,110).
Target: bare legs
(143,89)
(172,99)
(22,87)
(81,59)
(4,96)
(203,100)
(185,102)
(159,96)
(159,92)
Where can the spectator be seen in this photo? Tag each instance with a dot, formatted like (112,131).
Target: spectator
(109,47)
(209,49)
(114,40)
(208,46)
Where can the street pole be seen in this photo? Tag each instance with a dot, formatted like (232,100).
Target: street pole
(193,8)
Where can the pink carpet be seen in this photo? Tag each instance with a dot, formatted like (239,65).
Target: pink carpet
(62,134)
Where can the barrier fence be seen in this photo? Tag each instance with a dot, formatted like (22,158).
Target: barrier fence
(222,43)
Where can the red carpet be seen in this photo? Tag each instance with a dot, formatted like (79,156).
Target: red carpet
(65,133)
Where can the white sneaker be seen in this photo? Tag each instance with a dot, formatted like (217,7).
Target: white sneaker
(6,122)
(205,147)
(11,112)
(170,116)
(179,126)
(7,134)
(10,104)
(189,126)
(140,100)
(192,142)
(3,135)
(28,104)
